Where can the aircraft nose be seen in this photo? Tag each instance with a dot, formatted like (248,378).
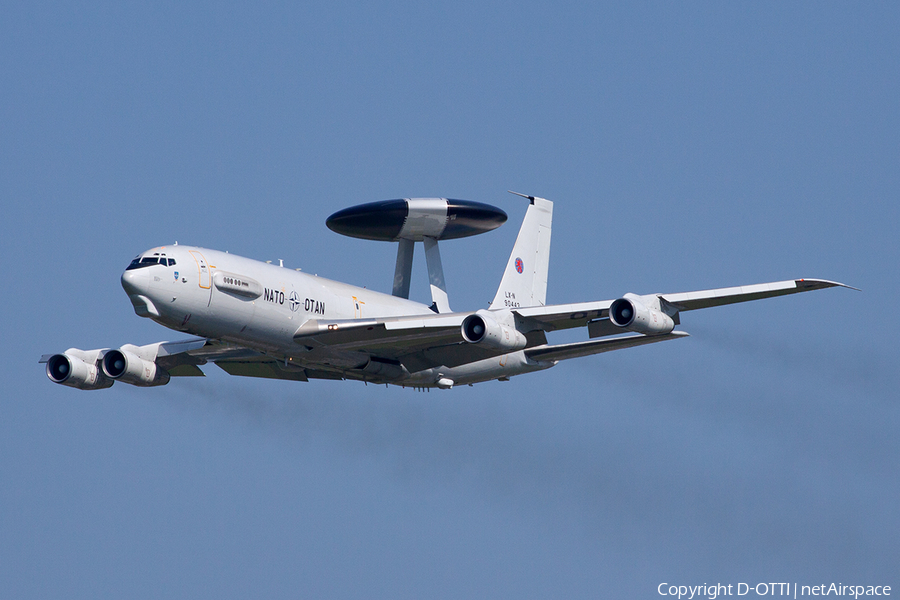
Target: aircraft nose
(135,281)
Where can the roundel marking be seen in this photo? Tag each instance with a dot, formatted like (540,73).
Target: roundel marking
(520,266)
(295,302)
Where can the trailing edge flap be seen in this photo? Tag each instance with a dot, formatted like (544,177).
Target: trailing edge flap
(272,369)
(181,358)
(185,371)
(417,342)
(269,369)
(401,332)
(564,316)
(577,349)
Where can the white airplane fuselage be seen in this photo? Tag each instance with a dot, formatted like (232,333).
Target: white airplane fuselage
(261,306)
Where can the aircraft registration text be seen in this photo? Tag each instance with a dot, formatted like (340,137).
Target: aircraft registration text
(510,300)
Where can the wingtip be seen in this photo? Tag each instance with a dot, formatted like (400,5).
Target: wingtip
(824,283)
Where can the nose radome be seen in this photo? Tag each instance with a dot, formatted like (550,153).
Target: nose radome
(135,281)
(136,284)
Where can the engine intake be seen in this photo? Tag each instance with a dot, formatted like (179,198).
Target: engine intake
(481,328)
(630,313)
(68,369)
(128,367)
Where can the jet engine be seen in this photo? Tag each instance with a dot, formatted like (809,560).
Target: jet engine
(70,369)
(482,328)
(125,366)
(630,313)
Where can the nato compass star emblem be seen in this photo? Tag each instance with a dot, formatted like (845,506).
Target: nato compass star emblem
(295,302)
(520,266)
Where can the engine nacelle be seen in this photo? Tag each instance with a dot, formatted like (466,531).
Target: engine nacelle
(630,313)
(125,366)
(481,328)
(70,369)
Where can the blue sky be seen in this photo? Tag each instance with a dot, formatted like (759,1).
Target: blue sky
(685,147)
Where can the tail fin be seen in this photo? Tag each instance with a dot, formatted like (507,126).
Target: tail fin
(524,281)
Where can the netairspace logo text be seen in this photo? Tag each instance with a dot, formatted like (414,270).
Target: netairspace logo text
(793,590)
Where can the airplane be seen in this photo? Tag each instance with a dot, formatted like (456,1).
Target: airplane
(256,319)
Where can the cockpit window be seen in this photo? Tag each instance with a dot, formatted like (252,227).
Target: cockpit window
(148,261)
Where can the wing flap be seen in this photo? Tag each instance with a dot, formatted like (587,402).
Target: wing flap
(185,370)
(268,369)
(404,339)
(418,342)
(564,316)
(181,358)
(578,349)
(373,333)
(452,355)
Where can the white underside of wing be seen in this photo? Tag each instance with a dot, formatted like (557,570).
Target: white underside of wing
(578,349)
(745,293)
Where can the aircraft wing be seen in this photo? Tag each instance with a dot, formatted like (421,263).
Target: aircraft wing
(595,314)
(418,342)
(181,359)
(722,296)
(578,349)
(564,316)
(403,332)
(423,341)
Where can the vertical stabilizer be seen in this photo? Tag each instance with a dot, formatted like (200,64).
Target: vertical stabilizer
(524,281)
